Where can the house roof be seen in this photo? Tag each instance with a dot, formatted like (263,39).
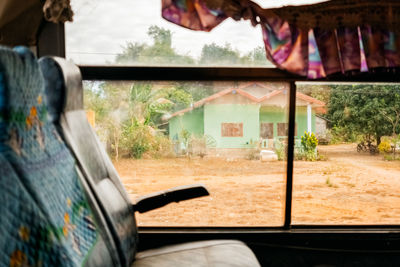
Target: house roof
(320,105)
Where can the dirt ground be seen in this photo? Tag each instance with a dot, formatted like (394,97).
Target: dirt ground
(346,188)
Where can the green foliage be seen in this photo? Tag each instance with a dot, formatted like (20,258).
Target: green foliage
(137,139)
(148,105)
(128,115)
(161,147)
(309,147)
(215,54)
(309,142)
(160,36)
(161,52)
(384,147)
(390,157)
(179,97)
(368,110)
(329,183)
(185,136)
(257,57)
(94,100)
(197,90)
(280,150)
(341,134)
(318,91)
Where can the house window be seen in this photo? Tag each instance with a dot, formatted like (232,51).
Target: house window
(232,129)
(267,130)
(283,128)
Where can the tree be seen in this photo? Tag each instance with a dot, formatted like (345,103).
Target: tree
(197,90)
(110,102)
(368,110)
(161,36)
(160,52)
(257,57)
(220,55)
(213,54)
(148,105)
(321,92)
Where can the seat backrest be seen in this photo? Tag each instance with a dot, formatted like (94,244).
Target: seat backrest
(23,225)
(68,113)
(47,213)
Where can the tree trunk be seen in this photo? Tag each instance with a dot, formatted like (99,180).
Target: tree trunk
(116,144)
(378,139)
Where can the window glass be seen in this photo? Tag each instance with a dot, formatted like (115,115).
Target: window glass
(232,129)
(267,130)
(283,129)
(127,32)
(346,168)
(166,134)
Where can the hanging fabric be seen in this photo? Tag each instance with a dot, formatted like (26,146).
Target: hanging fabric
(316,41)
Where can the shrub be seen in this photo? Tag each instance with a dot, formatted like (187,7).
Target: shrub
(309,142)
(254,154)
(280,150)
(309,146)
(384,147)
(136,139)
(161,147)
(198,146)
(342,135)
(298,154)
(390,157)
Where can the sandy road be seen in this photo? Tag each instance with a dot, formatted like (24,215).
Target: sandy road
(347,188)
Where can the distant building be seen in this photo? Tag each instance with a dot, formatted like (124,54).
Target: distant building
(243,117)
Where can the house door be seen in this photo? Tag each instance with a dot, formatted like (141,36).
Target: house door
(266,134)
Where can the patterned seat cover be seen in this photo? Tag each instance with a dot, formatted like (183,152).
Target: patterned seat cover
(45,216)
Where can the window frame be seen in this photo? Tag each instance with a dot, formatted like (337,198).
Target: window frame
(51,42)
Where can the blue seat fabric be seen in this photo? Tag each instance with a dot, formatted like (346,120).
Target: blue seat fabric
(46,219)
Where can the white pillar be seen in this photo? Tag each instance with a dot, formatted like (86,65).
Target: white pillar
(309,112)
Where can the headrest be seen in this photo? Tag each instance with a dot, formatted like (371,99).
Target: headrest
(54,87)
(63,85)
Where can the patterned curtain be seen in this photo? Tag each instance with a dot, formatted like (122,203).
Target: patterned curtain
(316,41)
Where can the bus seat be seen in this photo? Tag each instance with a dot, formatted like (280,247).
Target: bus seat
(70,225)
(107,186)
(47,213)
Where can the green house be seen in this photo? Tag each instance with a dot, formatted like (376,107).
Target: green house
(242,118)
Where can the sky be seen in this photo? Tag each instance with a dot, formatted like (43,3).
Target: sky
(102,27)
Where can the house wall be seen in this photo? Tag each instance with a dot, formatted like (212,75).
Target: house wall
(192,121)
(276,114)
(301,119)
(273,115)
(320,127)
(248,114)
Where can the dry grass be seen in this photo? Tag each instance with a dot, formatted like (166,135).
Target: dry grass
(348,188)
